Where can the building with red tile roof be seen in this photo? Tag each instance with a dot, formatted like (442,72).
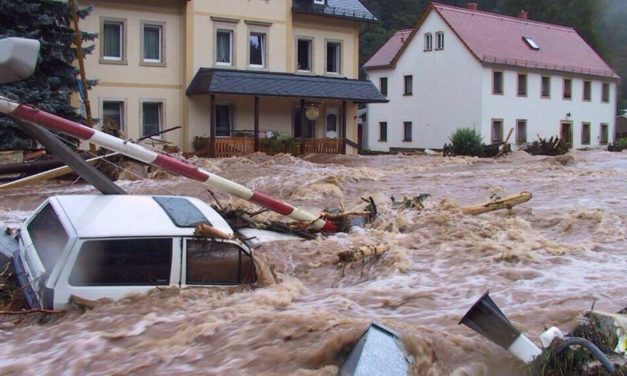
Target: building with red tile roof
(462,67)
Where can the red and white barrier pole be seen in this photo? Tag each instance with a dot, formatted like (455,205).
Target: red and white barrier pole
(164,161)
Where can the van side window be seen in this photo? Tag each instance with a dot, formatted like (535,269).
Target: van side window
(126,262)
(218,263)
(48,236)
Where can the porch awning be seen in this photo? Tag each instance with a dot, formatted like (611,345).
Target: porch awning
(271,84)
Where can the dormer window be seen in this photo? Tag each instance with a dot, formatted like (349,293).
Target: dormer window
(531,43)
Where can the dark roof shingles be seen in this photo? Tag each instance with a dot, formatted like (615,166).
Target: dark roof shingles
(222,81)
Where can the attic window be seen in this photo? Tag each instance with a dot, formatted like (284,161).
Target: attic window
(531,43)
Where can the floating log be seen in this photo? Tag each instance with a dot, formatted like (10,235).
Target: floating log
(362,252)
(501,203)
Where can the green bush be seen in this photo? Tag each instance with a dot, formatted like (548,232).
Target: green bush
(621,142)
(465,141)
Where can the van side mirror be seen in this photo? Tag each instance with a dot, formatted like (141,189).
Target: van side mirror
(18,59)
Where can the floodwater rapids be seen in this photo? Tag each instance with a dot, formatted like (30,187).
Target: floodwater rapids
(544,263)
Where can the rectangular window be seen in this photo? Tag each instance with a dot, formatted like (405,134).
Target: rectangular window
(113,41)
(407,131)
(152,43)
(224,120)
(408,86)
(304,55)
(497,131)
(546,87)
(497,82)
(124,262)
(383,85)
(522,85)
(440,40)
(334,54)
(383,131)
(428,42)
(224,47)
(217,263)
(604,134)
(152,117)
(113,114)
(587,90)
(568,88)
(585,133)
(48,236)
(257,50)
(521,131)
(605,93)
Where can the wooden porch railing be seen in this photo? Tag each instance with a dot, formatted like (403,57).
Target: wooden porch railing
(239,146)
(322,146)
(233,146)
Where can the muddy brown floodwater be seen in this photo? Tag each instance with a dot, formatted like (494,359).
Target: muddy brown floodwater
(544,263)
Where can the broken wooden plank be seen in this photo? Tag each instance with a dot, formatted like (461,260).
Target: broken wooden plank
(360,253)
(501,203)
(210,231)
(50,174)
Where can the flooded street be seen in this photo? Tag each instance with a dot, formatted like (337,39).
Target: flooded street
(544,263)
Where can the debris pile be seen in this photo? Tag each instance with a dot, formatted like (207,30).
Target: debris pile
(552,146)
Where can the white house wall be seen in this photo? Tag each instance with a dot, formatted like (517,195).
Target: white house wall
(545,115)
(446,92)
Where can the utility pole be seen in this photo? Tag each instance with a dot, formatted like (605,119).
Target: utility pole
(81,66)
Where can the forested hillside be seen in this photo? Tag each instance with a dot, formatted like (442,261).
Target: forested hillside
(602,23)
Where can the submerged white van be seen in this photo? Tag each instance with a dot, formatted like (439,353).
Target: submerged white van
(113,246)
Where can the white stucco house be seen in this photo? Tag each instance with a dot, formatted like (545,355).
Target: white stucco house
(464,68)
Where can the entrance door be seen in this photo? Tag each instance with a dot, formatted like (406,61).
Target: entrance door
(332,122)
(566,134)
(300,130)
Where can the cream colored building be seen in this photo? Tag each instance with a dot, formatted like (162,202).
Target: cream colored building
(229,71)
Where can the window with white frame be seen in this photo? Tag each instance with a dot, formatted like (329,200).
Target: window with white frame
(585,133)
(304,55)
(522,85)
(112,40)
(604,137)
(383,131)
(334,57)
(521,131)
(152,41)
(587,91)
(568,89)
(224,47)
(113,114)
(407,131)
(152,117)
(546,87)
(439,36)
(257,50)
(428,42)
(605,92)
(497,131)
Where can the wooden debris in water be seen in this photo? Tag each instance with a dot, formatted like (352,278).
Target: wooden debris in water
(500,203)
(361,253)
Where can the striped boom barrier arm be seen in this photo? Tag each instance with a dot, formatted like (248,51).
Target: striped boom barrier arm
(164,161)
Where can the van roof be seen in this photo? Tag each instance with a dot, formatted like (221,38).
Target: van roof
(96,216)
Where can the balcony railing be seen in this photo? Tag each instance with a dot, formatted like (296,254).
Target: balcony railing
(307,6)
(225,147)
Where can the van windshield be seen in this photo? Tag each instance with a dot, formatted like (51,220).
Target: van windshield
(48,236)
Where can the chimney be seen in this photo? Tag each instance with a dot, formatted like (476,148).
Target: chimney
(473,6)
(523,15)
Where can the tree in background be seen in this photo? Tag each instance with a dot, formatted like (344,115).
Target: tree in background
(54,80)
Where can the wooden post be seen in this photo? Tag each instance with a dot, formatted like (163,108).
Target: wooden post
(212,126)
(303,119)
(78,42)
(256,124)
(343,129)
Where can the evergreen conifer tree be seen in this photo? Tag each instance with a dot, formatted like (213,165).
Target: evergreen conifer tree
(55,78)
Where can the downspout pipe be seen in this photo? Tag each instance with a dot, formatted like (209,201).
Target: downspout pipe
(161,160)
